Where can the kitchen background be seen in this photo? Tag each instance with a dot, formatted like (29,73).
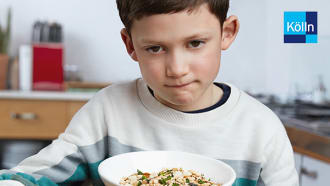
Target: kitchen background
(258,61)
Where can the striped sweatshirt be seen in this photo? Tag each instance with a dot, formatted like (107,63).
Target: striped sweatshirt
(126,117)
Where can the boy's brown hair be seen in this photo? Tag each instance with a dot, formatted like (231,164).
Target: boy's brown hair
(130,10)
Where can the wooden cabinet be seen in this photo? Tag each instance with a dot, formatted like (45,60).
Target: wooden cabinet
(312,171)
(297,158)
(309,144)
(72,108)
(35,119)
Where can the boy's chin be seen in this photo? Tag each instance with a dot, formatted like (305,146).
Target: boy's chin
(179,103)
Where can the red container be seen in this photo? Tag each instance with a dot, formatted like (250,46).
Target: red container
(47,67)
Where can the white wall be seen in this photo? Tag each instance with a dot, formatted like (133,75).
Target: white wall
(258,61)
(244,63)
(91,34)
(290,65)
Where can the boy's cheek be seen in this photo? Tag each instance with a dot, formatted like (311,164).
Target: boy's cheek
(208,61)
(151,72)
(206,68)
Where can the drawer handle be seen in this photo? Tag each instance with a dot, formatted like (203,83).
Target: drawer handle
(23,116)
(310,174)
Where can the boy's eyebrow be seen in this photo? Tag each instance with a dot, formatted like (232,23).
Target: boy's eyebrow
(194,36)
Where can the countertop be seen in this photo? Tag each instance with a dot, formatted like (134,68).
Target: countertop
(308,140)
(309,143)
(308,128)
(46,95)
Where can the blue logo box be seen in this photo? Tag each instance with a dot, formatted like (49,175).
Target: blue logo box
(300,27)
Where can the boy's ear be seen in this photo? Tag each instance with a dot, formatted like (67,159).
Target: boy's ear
(229,31)
(128,43)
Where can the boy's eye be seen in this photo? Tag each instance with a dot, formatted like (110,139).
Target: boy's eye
(155,49)
(196,43)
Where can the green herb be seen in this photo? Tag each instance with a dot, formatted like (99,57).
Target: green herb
(162,181)
(163,173)
(140,183)
(187,180)
(139,172)
(143,177)
(175,184)
(168,178)
(201,181)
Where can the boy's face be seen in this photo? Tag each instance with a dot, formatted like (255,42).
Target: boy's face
(179,56)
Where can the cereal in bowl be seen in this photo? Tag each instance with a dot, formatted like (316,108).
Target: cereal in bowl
(170,177)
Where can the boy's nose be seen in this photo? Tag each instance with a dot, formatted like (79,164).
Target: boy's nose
(176,65)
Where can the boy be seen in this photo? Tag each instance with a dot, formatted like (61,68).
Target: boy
(176,106)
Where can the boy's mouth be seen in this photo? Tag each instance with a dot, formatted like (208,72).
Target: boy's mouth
(178,85)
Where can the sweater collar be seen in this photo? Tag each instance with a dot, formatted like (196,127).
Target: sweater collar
(174,116)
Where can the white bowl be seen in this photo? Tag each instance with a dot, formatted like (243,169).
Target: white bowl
(114,168)
(10,183)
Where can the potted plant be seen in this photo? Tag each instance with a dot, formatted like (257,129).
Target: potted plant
(4,45)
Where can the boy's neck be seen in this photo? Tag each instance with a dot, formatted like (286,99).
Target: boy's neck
(217,94)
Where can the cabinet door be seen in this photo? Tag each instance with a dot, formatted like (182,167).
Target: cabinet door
(32,119)
(73,107)
(315,172)
(297,158)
